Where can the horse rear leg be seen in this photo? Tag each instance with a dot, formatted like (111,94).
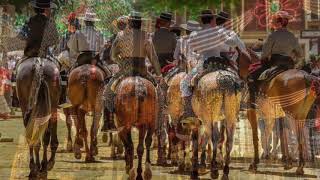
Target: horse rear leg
(148,142)
(301,146)
(140,150)
(32,166)
(78,142)
(84,134)
(229,145)
(215,141)
(44,162)
(69,125)
(54,143)
(93,133)
(125,136)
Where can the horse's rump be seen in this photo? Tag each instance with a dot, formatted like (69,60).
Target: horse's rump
(136,102)
(85,85)
(217,94)
(175,101)
(38,90)
(290,91)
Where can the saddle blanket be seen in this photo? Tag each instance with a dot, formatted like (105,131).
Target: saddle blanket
(270,73)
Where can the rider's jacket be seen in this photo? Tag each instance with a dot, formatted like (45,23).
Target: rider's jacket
(40,33)
(133,46)
(165,43)
(282,42)
(94,38)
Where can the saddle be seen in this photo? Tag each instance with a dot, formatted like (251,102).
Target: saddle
(213,64)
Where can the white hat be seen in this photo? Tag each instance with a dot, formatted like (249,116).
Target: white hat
(90,16)
(191,26)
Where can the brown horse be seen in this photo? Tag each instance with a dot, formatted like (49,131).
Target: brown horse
(136,105)
(85,92)
(38,90)
(287,93)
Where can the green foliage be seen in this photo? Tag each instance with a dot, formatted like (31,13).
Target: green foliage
(193,7)
(20,20)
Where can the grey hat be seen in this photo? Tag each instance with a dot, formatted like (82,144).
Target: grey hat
(191,26)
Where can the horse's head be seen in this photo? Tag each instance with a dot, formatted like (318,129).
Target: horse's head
(245,60)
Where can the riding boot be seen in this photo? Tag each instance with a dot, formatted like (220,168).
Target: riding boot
(188,111)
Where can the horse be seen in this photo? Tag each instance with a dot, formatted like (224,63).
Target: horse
(179,132)
(289,94)
(215,96)
(136,105)
(85,92)
(38,89)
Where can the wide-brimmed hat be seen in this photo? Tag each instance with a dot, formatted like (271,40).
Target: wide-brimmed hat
(166,16)
(283,14)
(43,4)
(223,15)
(207,13)
(90,16)
(135,15)
(191,26)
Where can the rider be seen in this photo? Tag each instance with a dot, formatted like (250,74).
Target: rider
(223,48)
(129,50)
(88,43)
(164,41)
(281,48)
(40,31)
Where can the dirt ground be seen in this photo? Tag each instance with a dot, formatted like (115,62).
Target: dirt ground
(14,161)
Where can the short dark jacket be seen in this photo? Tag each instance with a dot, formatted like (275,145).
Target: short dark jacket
(40,33)
(164,43)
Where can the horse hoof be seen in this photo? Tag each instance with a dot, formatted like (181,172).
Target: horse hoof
(148,172)
(69,147)
(89,159)
(105,137)
(300,171)
(132,174)
(33,174)
(43,175)
(194,175)
(288,166)
(214,174)
(225,177)
(253,167)
(50,165)
(77,155)
(94,151)
(226,170)
(181,167)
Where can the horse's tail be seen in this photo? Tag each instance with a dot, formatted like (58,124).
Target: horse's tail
(141,93)
(39,106)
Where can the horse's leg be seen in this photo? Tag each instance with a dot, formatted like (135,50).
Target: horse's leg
(84,134)
(37,153)
(254,127)
(140,150)
(54,143)
(69,125)
(93,133)
(203,150)
(78,140)
(44,162)
(301,146)
(125,136)
(229,145)
(148,142)
(284,145)
(215,141)
(195,149)
(32,166)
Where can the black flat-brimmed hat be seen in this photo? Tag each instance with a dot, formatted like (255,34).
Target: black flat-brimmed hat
(223,15)
(166,16)
(135,16)
(43,4)
(207,13)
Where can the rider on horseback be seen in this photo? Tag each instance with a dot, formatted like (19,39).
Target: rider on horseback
(129,50)
(88,43)
(280,48)
(222,50)
(40,31)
